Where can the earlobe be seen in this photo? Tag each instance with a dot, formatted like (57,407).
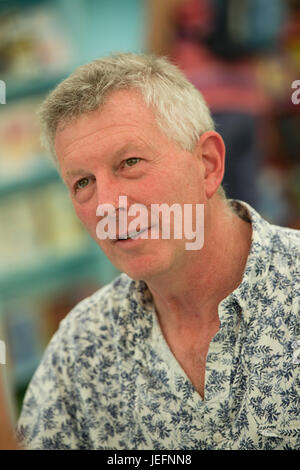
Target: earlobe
(211,147)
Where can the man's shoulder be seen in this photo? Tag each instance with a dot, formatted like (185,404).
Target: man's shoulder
(101,306)
(92,325)
(268,238)
(285,253)
(115,291)
(285,240)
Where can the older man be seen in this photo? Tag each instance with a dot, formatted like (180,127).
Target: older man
(187,348)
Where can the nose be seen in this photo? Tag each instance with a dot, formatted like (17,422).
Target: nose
(111,195)
(108,190)
(111,207)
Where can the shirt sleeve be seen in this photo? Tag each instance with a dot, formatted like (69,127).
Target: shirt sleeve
(48,418)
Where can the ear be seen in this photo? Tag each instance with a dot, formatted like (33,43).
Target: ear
(211,149)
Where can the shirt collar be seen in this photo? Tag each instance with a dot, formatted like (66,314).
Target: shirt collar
(256,269)
(258,261)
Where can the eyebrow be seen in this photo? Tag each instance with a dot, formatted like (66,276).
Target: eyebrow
(124,149)
(79,171)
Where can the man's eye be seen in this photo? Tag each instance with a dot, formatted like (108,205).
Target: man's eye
(131,161)
(82,183)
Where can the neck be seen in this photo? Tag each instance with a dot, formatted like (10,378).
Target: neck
(188,298)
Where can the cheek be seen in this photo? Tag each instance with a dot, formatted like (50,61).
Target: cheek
(87,216)
(154,190)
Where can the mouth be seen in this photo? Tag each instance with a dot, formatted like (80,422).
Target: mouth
(131,236)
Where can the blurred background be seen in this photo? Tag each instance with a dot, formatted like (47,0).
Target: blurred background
(243,55)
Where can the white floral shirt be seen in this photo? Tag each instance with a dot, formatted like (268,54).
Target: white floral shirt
(108,379)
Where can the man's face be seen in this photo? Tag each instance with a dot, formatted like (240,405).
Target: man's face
(120,151)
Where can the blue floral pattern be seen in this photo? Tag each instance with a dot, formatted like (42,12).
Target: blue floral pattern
(108,379)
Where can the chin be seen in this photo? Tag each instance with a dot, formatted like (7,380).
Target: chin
(140,273)
(146,270)
(144,265)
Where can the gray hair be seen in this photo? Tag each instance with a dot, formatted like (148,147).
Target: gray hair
(180,110)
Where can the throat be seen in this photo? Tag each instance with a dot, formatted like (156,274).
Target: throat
(190,351)
(193,363)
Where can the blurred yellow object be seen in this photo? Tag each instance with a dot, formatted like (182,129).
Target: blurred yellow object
(7,440)
(273,77)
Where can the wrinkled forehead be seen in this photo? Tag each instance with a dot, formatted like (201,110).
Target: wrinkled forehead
(120,107)
(123,117)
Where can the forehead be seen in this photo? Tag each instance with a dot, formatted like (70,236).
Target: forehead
(123,109)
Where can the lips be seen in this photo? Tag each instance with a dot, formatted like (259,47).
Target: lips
(131,235)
